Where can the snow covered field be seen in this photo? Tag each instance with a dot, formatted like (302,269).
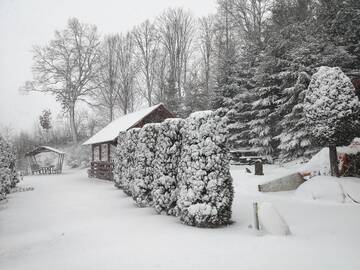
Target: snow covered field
(72,222)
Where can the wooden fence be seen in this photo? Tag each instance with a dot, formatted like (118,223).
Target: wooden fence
(101,170)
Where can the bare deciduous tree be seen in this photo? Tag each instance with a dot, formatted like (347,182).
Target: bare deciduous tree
(176,29)
(66,67)
(107,79)
(128,69)
(147,45)
(249,16)
(206,47)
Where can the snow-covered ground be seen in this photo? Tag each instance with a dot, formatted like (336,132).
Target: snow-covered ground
(72,222)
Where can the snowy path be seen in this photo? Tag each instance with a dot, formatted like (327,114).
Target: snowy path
(71,222)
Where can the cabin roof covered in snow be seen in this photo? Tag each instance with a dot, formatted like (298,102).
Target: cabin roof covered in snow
(123,123)
(43,149)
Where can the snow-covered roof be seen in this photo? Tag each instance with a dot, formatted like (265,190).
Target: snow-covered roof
(42,149)
(123,123)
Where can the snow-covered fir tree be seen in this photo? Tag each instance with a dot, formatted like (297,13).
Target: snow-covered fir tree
(206,190)
(168,153)
(130,144)
(265,116)
(331,110)
(144,165)
(240,113)
(294,137)
(120,160)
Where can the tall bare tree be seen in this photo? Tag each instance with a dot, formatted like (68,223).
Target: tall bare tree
(107,78)
(176,29)
(207,50)
(128,70)
(147,49)
(250,16)
(66,67)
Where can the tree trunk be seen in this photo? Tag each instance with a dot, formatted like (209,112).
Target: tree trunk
(72,124)
(333,161)
(111,113)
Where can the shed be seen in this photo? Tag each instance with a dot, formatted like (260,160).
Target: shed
(35,166)
(106,138)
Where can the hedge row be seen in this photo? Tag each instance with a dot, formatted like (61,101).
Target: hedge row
(180,167)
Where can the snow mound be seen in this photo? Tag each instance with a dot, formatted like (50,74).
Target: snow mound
(351,188)
(320,162)
(321,188)
(271,221)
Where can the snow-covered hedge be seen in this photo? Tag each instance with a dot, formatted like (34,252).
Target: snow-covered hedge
(167,158)
(181,167)
(144,165)
(130,144)
(206,191)
(8,176)
(120,160)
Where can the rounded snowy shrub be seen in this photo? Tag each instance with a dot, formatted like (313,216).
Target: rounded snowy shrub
(331,107)
(128,171)
(120,160)
(8,175)
(144,167)
(332,111)
(206,190)
(168,153)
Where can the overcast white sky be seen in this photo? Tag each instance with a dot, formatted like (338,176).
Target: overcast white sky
(24,23)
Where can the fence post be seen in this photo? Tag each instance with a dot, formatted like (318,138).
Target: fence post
(259,168)
(256,216)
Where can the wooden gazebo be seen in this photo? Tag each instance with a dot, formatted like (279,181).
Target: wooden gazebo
(106,139)
(36,168)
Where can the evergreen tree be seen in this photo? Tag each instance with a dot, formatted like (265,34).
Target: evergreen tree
(144,165)
(263,127)
(166,181)
(130,144)
(294,138)
(120,161)
(8,174)
(332,111)
(206,190)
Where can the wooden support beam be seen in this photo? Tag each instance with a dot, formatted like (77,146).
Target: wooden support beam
(99,152)
(92,152)
(108,151)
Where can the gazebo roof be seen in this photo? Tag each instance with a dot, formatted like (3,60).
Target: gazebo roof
(123,123)
(43,149)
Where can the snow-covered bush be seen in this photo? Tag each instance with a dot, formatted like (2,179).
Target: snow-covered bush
(144,165)
(120,160)
(130,144)
(206,190)
(332,110)
(168,153)
(8,175)
(331,107)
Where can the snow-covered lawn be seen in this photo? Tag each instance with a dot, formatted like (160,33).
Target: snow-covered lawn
(72,222)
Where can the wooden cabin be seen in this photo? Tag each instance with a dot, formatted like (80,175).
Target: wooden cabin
(104,142)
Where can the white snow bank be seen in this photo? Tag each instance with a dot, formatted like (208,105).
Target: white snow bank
(320,162)
(271,221)
(330,189)
(321,188)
